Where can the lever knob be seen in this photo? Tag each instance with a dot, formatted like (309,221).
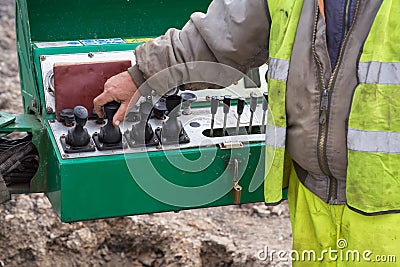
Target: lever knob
(253,102)
(81,115)
(240,105)
(110,109)
(188,99)
(68,116)
(173,103)
(227,103)
(159,110)
(214,104)
(265,101)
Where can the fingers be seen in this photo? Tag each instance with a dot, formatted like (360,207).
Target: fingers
(100,101)
(120,114)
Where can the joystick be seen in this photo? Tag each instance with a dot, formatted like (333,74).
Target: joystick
(78,138)
(141,133)
(172,131)
(159,110)
(110,137)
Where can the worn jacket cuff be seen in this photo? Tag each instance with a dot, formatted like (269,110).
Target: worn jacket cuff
(137,77)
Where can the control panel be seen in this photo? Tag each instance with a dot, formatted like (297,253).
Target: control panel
(228,117)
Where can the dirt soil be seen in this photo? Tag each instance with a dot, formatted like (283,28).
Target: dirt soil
(32,235)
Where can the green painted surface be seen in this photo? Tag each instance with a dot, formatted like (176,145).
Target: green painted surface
(91,19)
(6,119)
(91,188)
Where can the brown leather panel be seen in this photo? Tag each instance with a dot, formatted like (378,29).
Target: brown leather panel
(79,83)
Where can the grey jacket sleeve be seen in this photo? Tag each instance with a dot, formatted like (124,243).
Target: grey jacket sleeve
(232,32)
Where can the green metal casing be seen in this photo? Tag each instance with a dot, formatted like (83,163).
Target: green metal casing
(100,187)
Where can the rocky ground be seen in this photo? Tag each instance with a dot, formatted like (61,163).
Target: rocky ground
(32,235)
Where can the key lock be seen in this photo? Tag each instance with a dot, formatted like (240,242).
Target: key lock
(236,189)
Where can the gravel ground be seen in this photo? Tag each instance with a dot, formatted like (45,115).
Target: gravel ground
(32,235)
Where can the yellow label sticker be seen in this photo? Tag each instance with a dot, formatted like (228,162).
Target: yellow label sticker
(137,40)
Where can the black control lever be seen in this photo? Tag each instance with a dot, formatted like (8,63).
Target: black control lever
(265,108)
(240,107)
(253,107)
(108,133)
(79,136)
(227,106)
(141,133)
(214,108)
(172,131)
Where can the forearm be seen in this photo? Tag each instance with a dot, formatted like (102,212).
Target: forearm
(234,33)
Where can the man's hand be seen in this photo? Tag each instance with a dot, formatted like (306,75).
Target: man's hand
(120,88)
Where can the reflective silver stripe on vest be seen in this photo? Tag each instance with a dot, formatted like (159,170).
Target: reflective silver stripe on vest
(278,69)
(373,141)
(374,72)
(275,136)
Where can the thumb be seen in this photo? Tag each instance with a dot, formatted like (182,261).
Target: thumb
(120,114)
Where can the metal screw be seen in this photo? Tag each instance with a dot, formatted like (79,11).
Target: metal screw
(49,110)
(42,58)
(90,55)
(34,103)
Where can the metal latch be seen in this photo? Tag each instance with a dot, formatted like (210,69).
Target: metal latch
(236,189)
(230,145)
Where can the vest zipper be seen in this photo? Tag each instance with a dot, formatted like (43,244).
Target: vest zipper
(325,102)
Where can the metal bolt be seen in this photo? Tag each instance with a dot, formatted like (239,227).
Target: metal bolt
(34,103)
(90,55)
(42,58)
(49,110)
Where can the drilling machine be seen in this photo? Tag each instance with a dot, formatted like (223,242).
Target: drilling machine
(178,151)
